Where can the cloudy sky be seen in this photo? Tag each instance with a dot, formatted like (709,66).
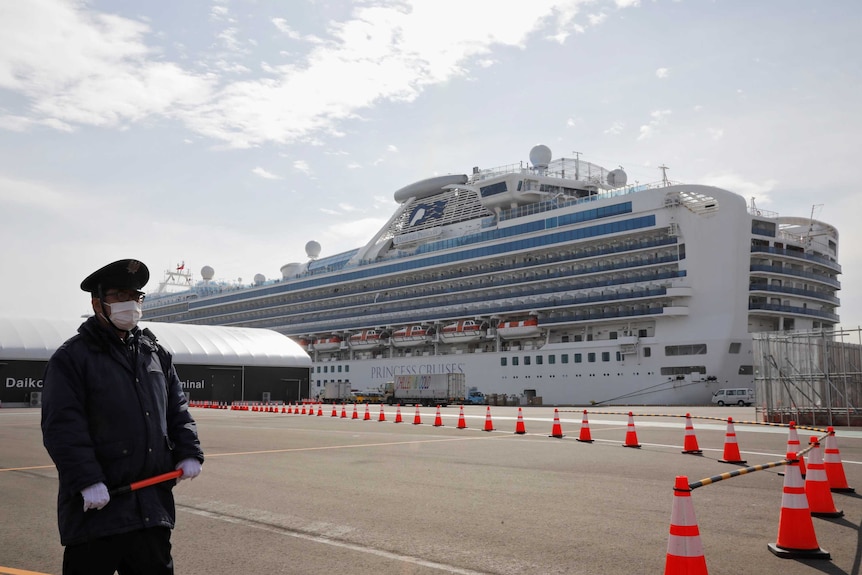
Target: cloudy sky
(229,133)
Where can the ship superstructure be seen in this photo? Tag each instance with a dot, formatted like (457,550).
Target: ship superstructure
(554,280)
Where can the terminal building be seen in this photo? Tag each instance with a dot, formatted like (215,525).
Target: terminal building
(214,363)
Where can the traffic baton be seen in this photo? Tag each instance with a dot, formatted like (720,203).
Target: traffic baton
(146,483)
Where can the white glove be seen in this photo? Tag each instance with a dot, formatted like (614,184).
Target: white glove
(191,468)
(95,496)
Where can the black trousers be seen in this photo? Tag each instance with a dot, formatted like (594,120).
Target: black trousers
(142,552)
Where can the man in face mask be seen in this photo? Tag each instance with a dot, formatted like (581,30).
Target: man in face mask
(114,413)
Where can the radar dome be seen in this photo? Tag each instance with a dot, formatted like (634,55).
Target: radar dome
(312,249)
(540,156)
(617,178)
(207,273)
(259,279)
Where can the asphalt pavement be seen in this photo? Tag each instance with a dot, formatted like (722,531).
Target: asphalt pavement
(287,493)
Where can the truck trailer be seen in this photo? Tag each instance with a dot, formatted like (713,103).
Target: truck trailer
(431,389)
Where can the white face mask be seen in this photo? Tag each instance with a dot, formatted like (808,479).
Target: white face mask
(125,314)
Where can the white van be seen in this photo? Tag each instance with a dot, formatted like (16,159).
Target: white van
(733,396)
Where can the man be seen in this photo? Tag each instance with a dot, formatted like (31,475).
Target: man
(113,413)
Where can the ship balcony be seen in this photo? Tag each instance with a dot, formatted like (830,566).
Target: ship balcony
(764,290)
(772,309)
(785,271)
(792,255)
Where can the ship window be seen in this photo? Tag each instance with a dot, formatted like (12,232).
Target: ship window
(761,228)
(647,352)
(684,370)
(515,360)
(591,357)
(318,369)
(734,347)
(682,251)
(642,333)
(346,368)
(325,369)
(503,361)
(539,359)
(577,358)
(746,370)
(606,356)
(552,359)
(619,356)
(526,360)
(564,358)
(339,369)
(693,349)
(612,335)
(579,338)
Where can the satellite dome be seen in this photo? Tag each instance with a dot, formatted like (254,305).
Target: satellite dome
(291,270)
(312,249)
(207,273)
(617,178)
(259,279)
(540,156)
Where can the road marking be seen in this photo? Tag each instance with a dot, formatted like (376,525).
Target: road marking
(327,541)
(10,571)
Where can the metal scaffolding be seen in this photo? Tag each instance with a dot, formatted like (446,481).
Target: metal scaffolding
(811,377)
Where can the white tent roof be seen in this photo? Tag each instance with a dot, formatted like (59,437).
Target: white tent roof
(37,339)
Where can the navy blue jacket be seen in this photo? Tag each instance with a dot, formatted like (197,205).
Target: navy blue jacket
(114,412)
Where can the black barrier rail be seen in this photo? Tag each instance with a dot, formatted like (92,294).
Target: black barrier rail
(752,469)
(703,417)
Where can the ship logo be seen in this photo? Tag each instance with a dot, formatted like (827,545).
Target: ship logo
(426,212)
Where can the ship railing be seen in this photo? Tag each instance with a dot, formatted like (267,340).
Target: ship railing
(796,254)
(794,291)
(794,310)
(798,273)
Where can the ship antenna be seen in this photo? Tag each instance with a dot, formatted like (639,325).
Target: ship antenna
(664,170)
(577,165)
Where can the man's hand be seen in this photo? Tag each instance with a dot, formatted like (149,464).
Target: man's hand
(95,496)
(191,468)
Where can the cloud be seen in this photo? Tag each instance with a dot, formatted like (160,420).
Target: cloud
(258,171)
(658,119)
(34,195)
(662,73)
(616,128)
(715,133)
(761,191)
(77,66)
(302,166)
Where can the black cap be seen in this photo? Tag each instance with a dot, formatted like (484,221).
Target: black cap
(122,274)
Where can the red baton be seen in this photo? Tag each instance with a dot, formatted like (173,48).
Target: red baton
(145,483)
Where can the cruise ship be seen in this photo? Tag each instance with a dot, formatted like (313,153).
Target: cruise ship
(554,281)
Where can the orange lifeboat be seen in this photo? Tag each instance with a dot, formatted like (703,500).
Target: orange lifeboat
(463,331)
(366,339)
(514,329)
(409,336)
(327,343)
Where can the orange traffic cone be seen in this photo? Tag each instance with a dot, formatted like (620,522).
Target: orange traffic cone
(283,409)
(731,448)
(311,409)
(320,410)
(684,548)
(556,429)
(519,426)
(437,421)
(334,411)
(793,446)
(585,436)
(820,500)
(462,423)
(382,415)
(631,434)
(367,415)
(796,538)
(417,419)
(834,467)
(343,411)
(398,414)
(303,412)
(355,414)
(489,425)
(290,408)
(690,444)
